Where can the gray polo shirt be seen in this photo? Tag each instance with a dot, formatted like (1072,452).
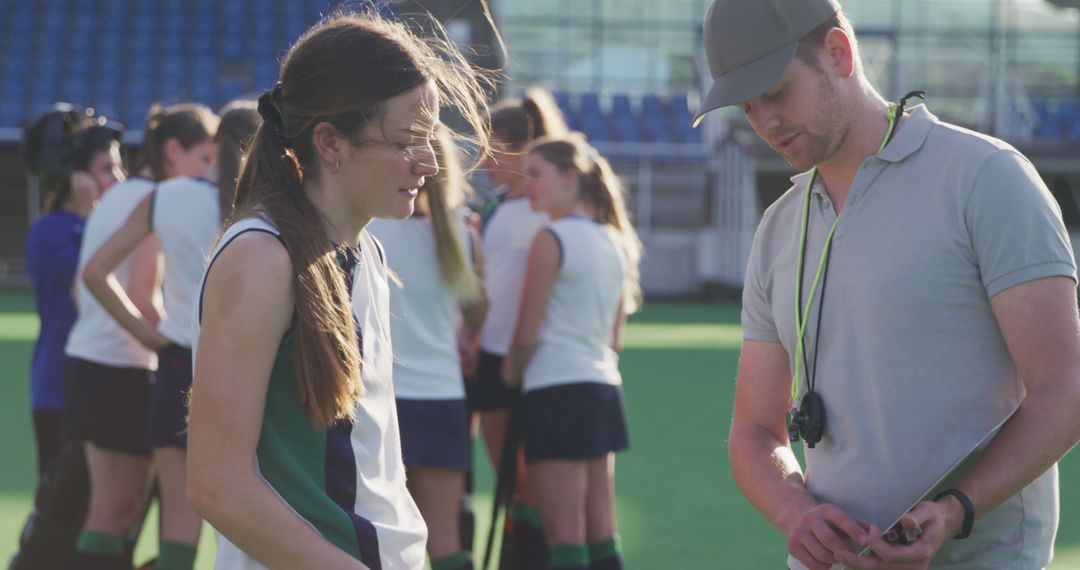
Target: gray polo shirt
(912,366)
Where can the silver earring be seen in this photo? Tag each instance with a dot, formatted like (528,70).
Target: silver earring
(334,167)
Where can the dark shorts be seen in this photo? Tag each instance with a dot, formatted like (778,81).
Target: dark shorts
(434,434)
(167,420)
(574,421)
(489,392)
(108,404)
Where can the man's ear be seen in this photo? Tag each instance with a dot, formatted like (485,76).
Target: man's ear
(840,52)
(326,140)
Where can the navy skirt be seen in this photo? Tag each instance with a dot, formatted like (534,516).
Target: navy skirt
(167,418)
(108,404)
(574,422)
(435,434)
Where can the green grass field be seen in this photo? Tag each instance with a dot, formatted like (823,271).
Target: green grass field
(678,506)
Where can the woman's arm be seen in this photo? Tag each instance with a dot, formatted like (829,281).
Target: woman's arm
(99,278)
(473,313)
(247,308)
(617,330)
(540,273)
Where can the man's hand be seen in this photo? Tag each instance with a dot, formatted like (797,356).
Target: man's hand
(820,535)
(939,521)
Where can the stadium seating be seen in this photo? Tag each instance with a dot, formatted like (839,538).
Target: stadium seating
(119,56)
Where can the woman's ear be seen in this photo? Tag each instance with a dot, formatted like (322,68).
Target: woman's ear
(171,150)
(326,140)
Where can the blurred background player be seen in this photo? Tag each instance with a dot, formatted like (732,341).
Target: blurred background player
(509,225)
(580,284)
(76,157)
(185,214)
(438,262)
(110,372)
(294,449)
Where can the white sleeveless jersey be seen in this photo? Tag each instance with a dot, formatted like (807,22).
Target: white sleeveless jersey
(96,336)
(423,312)
(186,217)
(348,481)
(575,338)
(508,235)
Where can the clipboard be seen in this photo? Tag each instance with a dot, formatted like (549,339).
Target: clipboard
(966,460)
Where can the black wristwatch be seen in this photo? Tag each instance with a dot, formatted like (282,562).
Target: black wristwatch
(969,510)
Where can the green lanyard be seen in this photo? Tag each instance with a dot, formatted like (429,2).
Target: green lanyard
(801,317)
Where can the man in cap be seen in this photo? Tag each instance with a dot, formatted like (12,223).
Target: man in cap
(936,294)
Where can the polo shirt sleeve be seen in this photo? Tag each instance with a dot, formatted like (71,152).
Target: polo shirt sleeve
(1015,225)
(757,314)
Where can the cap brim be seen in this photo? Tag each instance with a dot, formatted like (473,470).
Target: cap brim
(746,82)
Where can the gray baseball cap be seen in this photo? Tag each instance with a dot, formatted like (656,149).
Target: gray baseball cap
(749,44)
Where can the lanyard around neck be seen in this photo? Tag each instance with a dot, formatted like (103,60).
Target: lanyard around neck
(801,316)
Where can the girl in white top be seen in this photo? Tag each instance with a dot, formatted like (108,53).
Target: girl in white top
(293,447)
(429,254)
(109,368)
(581,281)
(185,215)
(509,225)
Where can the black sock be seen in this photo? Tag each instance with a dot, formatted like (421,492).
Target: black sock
(531,549)
(50,545)
(467,523)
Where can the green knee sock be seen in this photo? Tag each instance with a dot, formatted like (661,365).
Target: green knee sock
(94,542)
(568,556)
(175,556)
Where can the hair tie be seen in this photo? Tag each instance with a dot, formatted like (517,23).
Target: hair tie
(270,110)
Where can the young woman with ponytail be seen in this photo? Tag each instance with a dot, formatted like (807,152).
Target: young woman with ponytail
(108,372)
(185,215)
(437,261)
(581,282)
(293,447)
(509,225)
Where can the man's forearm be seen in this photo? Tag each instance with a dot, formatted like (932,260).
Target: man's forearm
(1044,428)
(768,473)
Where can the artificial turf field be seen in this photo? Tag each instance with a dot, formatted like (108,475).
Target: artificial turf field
(678,507)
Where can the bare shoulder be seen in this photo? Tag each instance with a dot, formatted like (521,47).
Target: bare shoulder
(251,275)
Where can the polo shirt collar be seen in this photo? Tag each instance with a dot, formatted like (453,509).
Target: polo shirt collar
(910,136)
(908,139)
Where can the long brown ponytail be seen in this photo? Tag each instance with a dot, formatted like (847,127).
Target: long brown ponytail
(601,189)
(516,122)
(442,197)
(339,72)
(189,123)
(239,119)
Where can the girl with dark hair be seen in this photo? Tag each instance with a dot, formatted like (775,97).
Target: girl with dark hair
(185,215)
(75,164)
(294,453)
(438,261)
(509,226)
(581,282)
(108,372)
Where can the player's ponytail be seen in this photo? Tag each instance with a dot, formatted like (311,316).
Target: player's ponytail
(189,123)
(443,196)
(239,120)
(516,122)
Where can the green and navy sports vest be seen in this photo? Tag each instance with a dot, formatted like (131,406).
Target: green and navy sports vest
(348,481)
